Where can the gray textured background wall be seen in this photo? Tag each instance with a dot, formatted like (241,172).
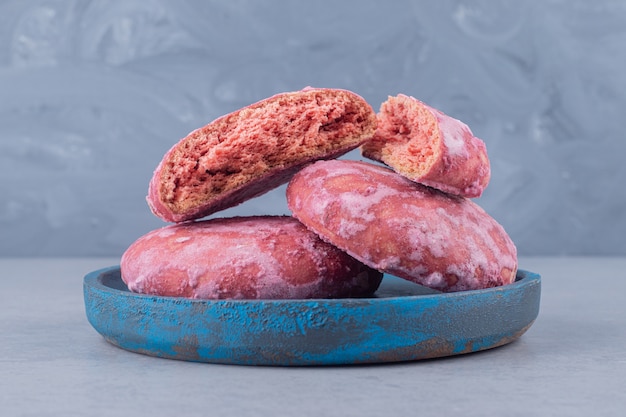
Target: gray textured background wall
(92,93)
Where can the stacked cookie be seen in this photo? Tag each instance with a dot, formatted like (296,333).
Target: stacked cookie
(352,221)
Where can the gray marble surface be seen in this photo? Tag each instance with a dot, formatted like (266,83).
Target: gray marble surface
(571,362)
(92,93)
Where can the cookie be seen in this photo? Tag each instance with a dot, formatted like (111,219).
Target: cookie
(255,149)
(403,228)
(429,147)
(262,257)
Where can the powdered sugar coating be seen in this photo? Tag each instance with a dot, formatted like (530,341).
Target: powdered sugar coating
(415,232)
(455,134)
(263,257)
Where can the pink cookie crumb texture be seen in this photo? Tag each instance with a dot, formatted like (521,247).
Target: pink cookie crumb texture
(262,257)
(429,147)
(397,226)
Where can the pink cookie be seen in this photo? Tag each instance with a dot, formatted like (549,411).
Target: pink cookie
(403,228)
(429,147)
(255,149)
(264,257)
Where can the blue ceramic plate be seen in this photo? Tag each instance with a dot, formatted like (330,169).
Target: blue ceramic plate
(403,322)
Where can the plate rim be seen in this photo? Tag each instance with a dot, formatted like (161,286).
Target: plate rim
(523,278)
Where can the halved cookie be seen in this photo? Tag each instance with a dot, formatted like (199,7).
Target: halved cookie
(255,149)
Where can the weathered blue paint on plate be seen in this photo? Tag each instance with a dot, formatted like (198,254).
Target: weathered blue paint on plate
(403,322)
